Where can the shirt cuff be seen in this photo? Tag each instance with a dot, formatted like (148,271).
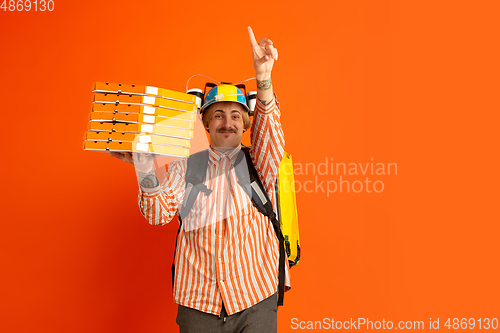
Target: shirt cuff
(265,109)
(149,192)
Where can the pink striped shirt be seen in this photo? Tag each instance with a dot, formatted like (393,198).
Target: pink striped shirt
(226,250)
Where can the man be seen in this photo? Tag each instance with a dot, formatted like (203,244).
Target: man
(227,252)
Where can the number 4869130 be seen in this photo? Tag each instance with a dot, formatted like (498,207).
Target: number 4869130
(27,5)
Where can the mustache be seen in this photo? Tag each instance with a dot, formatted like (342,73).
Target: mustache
(224,129)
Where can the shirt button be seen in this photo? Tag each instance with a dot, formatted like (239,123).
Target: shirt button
(221,281)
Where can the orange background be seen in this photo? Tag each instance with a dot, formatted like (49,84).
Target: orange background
(409,83)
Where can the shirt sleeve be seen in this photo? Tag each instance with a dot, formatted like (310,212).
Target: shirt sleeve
(159,205)
(268,143)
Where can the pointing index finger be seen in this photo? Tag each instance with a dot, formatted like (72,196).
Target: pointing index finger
(253,41)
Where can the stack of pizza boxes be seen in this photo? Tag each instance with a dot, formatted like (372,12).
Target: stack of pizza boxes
(143,119)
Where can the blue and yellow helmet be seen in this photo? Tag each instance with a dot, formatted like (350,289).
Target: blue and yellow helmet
(224,93)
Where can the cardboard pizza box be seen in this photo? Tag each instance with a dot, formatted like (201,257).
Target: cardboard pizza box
(144,109)
(140,128)
(140,119)
(137,147)
(144,100)
(135,137)
(132,89)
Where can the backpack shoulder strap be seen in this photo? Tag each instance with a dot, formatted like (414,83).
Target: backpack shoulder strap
(248,178)
(196,170)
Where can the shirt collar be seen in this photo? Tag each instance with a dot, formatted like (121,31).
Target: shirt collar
(215,156)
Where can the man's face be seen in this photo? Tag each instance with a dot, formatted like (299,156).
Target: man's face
(226,126)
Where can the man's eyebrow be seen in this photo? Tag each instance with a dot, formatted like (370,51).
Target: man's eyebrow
(223,111)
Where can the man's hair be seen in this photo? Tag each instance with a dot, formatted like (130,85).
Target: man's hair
(207,117)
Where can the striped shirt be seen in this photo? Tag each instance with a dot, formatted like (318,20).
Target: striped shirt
(226,250)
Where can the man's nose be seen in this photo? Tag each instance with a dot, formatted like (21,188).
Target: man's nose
(227,121)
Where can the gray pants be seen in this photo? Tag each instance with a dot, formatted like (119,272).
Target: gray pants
(260,318)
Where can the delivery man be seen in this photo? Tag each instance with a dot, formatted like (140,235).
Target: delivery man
(226,262)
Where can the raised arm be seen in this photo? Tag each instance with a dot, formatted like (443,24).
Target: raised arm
(267,137)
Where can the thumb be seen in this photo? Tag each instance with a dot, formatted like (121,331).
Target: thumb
(262,60)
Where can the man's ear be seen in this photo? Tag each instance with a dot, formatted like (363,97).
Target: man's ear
(206,128)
